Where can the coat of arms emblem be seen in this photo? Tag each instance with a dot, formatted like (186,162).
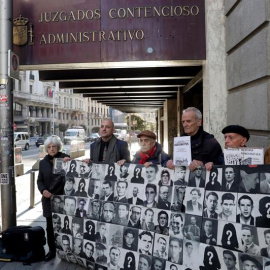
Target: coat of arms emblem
(20,31)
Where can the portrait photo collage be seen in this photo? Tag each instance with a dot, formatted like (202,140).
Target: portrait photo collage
(132,217)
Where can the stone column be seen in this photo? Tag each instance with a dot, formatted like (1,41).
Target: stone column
(214,70)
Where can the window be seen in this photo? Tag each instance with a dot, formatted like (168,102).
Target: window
(31,89)
(17,109)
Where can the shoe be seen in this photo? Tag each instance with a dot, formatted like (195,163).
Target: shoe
(49,256)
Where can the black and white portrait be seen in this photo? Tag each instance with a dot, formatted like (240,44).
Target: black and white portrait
(151,174)
(158,264)
(135,214)
(211,259)
(84,169)
(247,261)
(98,171)
(77,227)
(148,219)
(114,257)
(146,239)
(77,244)
(108,212)
(72,169)
(145,262)
(162,226)
(137,175)
(229,260)
(265,182)
(129,260)
(82,205)
(176,250)
(88,250)
(57,204)
(121,190)
(150,195)
(94,209)
(227,209)
(210,204)
(81,186)
(197,178)
(209,231)
(69,188)
(102,232)
(164,197)
(135,194)
(107,190)
(245,206)
(213,179)
(101,254)
(69,205)
(161,246)
(124,174)
(190,251)
(194,200)
(176,226)
(178,199)
(122,212)
(250,181)
(165,177)
(181,175)
(264,242)
(66,221)
(110,176)
(90,230)
(192,227)
(230,179)
(94,188)
(130,239)
(57,223)
(249,240)
(59,166)
(263,220)
(66,243)
(115,235)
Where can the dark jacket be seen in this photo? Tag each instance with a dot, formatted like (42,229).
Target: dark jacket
(159,157)
(117,150)
(45,179)
(205,147)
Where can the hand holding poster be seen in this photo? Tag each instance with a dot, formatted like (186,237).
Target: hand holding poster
(182,151)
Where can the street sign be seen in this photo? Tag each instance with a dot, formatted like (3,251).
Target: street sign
(13,65)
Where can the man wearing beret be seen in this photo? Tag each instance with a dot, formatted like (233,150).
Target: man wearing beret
(249,263)
(235,136)
(151,152)
(204,147)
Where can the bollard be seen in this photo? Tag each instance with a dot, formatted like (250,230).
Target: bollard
(32,190)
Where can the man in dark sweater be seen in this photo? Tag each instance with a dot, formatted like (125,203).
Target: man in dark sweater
(204,147)
(108,149)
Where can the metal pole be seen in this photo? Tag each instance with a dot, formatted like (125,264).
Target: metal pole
(32,190)
(8,191)
(53,112)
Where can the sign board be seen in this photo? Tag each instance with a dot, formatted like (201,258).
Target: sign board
(13,65)
(108,31)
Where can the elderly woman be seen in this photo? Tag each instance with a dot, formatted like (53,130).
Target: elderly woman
(46,185)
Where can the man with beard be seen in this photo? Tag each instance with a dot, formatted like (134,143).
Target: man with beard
(162,227)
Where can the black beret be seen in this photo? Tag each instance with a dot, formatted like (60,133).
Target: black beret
(236,129)
(246,257)
(100,246)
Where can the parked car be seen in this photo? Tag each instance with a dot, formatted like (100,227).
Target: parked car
(41,140)
(21,139)
(93,137)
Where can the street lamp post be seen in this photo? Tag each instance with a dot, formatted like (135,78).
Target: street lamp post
(7,180)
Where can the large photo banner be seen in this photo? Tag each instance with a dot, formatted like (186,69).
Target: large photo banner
(131,217)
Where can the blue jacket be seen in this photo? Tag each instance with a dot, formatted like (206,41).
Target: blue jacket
(159,157)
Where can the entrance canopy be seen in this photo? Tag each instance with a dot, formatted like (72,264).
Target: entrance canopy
(130,55)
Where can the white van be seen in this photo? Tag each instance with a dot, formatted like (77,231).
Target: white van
(74,134)
(21,139)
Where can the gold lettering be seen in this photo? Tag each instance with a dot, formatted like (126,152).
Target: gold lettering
(186,11)
(162,11)
(110,13)
(91,14)
(94,37)
(86,36)
(131,13)
(60,38)
(102,36)
(125,35)
(63,16)
(47,17)
(71,15)
(81,15)
(43,40)
(97,14)
(41,18)
(139,11)
(178,11)
(118,34)
(141,32)
(123,11)
(55,17)
(111,36)
(156,11)
(147,12)
(131,35)
(196,11)
(51,39)
(73,38)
